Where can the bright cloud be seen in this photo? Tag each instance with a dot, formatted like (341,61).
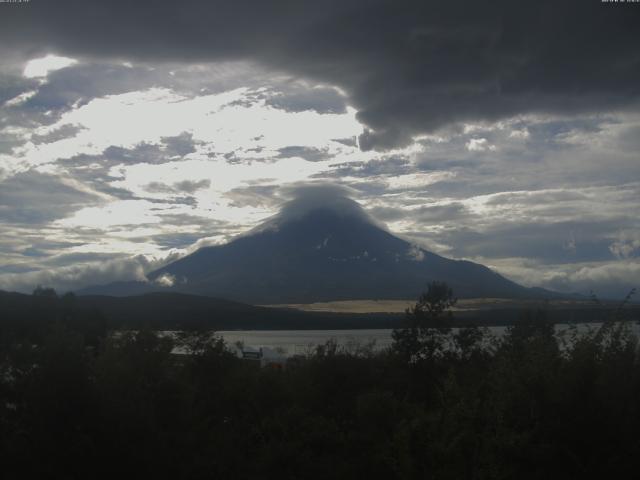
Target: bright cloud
(92,177)
(228,122)
(41,67)
(479,145)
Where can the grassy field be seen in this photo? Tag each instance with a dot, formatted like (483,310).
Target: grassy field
(399,306)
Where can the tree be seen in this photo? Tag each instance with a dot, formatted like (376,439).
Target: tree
(427,324)
(46,292)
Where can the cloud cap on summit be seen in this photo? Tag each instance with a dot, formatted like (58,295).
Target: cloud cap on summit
(308,198)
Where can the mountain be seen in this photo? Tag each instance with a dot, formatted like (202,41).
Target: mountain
(319,253)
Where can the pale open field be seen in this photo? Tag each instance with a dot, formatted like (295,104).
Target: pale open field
(399,306)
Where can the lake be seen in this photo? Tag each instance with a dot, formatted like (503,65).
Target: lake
(300,342)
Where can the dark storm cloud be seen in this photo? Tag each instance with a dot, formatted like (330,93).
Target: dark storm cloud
(349,142)
(408,68)
(307,153)
(18,114)
(43,249)
(66,88)
(629,138)
(383,166)
(177,193)
(13,84)
(17,269)
(95,170)
(180,145)
(36,198)
(83,82)
(188,186)
(8,142)
(65,131)
(33,252)
(299,98)
(293,96)
(253,196)
(72,276)
(76,85)
(177,240)
(98,178)
(204,224)
(185,186)
(566,242)
(453,212)
(169,149)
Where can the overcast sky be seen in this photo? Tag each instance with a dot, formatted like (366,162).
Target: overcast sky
(504,132)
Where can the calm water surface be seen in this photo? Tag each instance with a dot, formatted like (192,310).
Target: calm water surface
(293,342)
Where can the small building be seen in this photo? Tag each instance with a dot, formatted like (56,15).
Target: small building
(267,357)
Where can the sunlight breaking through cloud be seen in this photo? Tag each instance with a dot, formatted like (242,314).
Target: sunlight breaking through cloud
(41,67)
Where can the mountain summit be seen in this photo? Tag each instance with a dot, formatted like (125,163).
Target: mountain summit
(319,250)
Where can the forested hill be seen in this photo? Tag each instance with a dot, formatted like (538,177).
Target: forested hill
(176,311)
(173,311)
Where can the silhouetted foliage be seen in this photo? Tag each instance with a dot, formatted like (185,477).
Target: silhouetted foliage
(46,292)
(78,401)
(426,332)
